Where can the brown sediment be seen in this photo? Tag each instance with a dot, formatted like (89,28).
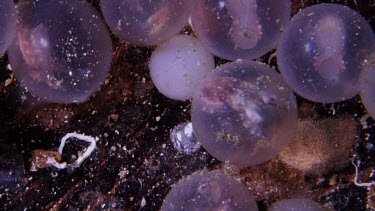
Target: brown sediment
(319,146)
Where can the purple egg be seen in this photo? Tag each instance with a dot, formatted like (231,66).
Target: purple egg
(145,23)
(62,50)
(321,52)
(7,24)
(244,113)
(239,29)
(209,191)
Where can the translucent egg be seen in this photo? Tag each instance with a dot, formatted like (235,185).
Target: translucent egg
(145,23)
(209,191)
(7,24)
(62,50)
(178,65)
(321,52)
(239,29)
(297,205)
(368,85)
(244,113)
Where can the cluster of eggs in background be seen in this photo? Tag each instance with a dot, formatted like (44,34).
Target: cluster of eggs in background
(244,112)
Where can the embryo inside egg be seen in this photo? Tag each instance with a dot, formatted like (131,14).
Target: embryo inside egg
(330,35)
(321,52)
(239,29)
(244,113)
(59,57)
(246,30)
(145,23)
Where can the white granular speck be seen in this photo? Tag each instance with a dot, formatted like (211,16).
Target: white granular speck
(184,139)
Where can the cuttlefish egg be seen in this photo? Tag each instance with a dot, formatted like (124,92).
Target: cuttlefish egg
(209,191)
(322,50)
(62,50)
(145,23)
(178,65)
(244,113)
(239,29)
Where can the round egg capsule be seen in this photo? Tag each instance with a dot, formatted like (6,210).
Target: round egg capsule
(145,23)
(7,24)
(321,52)
(297,205)
(62,51)
(239,29)
(244,113)
(178,65)
(209,191)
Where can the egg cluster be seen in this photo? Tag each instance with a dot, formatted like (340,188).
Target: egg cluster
(243,112)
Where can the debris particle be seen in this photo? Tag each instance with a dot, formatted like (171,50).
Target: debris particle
(43,159)
(143,202)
